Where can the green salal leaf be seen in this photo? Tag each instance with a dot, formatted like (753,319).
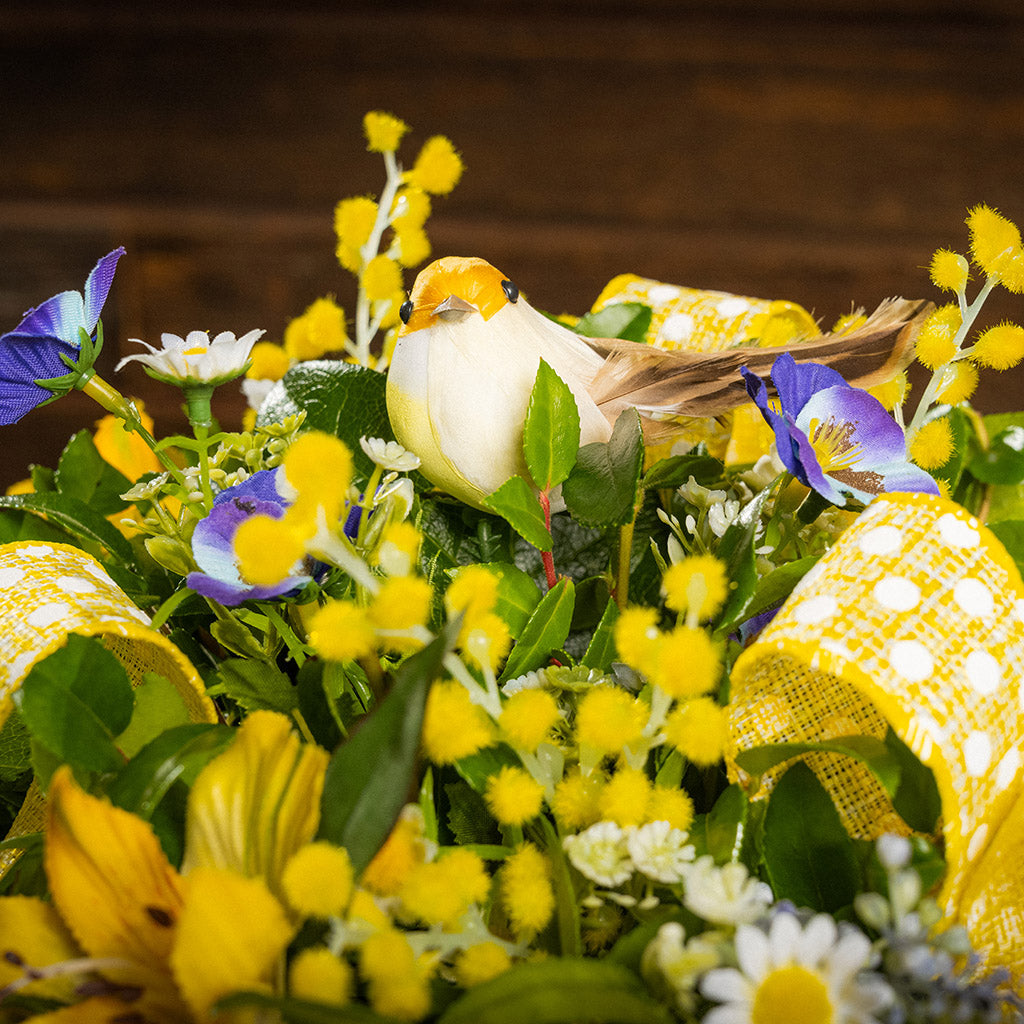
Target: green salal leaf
(772,589)
(627,320)
(518,595)
(916,800)
(600,651)
(873,753)
(82,473)
(369,777)
(76,518)
(676,470)
(1003,461)
(562,990)
(551,432)
(158,706)
(545,631)
(339,398)
(722,830)
(602,488)
(808,855)
(76,701)
(516,502)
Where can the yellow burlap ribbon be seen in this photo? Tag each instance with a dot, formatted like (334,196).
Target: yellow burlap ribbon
(708,321)
(914,620)
(50,590)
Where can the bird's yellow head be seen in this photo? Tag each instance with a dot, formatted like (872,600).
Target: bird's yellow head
(452,286)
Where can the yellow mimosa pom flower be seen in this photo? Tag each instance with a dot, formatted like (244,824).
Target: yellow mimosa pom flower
(958,383)
(636,636)
(932,445)
(386,956)
(687,663)
(381,278)
(849,322)
(936,341)
(996,246)
(624,797)
(438,167)
(403,849)
(608,719)
(342,630)
(410,209)
(699,582)
(453,726)
(320,329)
(891,392)
(413,245)
(399,548)
(698,729)
(999,347)
(267,550)
(318,975)
(525,885)
(318,467)
(440,892)
(486,641)
(401,603)
(349,257)
(353,221)
(576,800)
(480,963)
(513,797)
(267,361)
(388,310)
(949,271)
(473,592)
(528,718)
(671,805)
(317,880)
(383,131)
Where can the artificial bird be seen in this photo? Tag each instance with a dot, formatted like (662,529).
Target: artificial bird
(469,347)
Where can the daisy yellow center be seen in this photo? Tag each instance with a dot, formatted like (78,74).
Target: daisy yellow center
(832,444)
(792,994)
(196,350)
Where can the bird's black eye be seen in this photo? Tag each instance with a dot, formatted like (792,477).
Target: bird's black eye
(510,290)
(405,311)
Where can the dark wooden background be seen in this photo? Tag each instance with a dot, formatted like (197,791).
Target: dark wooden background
(812,151)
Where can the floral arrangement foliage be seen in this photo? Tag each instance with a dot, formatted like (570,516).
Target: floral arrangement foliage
(718,729)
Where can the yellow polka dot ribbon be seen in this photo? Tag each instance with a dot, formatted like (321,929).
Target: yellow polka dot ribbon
(708,321)
(50,590)
(912,620)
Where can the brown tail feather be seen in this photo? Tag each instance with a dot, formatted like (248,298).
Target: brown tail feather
(669,386)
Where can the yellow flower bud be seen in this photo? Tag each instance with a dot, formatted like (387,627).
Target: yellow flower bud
(383,131)
(438,167)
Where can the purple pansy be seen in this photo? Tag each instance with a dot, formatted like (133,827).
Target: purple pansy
(32,351)
(214,536)
(836,439)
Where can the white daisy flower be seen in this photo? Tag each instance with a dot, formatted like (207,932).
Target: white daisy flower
(389,454)
(600,853)
(660,851)
(724,895)
(679,962)
(195,359)
(797,974)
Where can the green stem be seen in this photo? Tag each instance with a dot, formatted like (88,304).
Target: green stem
(622,569)
(169,607)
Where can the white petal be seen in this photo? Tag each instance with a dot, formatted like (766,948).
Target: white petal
(171,341)
(725,985)
(196,338)
(783,937)
(730,1013)
(849,956)
(752,951)
(817,940)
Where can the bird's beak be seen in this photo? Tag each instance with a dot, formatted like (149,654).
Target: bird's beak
(453,308)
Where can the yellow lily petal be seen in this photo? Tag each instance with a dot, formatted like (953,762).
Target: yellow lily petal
(229,938)
(115,888)
(254,805)
(32,931)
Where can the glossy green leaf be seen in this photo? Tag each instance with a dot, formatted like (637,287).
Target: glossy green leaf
(562,990)
(774,587)
(77,518)
(808,855)
(255,685)
(370,776)
(627,320)
(317,705)
(724,825)
(83,474)
(76,702)
(158,706)
(1003,461)
(518,595)
(736,549)
(602,488)
(917,799)
(545,631)
(517,502)
(676,470)
(873,753)
(1010,533)
(551,432)
(339,398)
(601,651)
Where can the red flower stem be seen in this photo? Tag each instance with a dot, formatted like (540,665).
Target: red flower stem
(546,556)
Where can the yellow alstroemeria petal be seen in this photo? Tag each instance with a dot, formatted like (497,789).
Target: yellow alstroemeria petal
(99,1010)
(229,938)
(124,449)
(114,888)
(254,805)
(32,931)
